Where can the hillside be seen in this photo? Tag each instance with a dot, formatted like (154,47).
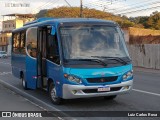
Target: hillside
(149,22)
(73,12)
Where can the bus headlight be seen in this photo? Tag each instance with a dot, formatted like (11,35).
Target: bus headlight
(128,75)
(73,78)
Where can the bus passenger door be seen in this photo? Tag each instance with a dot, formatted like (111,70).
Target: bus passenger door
(41,58)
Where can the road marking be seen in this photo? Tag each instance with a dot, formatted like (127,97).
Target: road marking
(151,93)
(5,73)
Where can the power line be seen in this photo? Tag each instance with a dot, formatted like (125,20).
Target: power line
(41,6)
(141,10)
(144,5)
(130,5)
(71,6)
(98,4)
(68,3)
(103,3)
(129,10)
(50,2)
(109,14)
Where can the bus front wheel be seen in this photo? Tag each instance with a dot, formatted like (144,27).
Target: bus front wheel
(52,94)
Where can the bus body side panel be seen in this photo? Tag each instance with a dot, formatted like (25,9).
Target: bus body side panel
(18,64)
(55,73)
(31,72)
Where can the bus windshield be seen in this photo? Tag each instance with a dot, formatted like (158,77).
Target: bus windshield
(88,42)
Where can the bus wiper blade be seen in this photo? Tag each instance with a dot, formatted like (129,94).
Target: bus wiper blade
(94,60)
(113,58)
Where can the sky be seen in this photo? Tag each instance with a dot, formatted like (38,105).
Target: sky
(130,8)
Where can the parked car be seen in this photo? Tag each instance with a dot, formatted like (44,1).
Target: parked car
(3,54)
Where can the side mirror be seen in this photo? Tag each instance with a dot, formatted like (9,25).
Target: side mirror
(53,30)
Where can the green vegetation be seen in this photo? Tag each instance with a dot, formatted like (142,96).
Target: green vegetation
(151,22)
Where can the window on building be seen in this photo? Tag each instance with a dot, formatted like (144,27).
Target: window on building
(7,40)
(5,26)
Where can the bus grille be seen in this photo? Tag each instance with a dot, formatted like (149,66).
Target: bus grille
(102,79)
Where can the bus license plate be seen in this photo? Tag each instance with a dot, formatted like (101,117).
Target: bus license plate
(102,89)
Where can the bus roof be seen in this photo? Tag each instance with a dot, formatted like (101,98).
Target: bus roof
(50,21)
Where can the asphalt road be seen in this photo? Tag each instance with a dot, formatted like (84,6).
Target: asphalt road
(145,95)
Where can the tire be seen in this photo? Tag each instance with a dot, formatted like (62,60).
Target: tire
(24,83)
(52,94)
(110,97)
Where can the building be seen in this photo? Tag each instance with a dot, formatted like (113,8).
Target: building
(10,22)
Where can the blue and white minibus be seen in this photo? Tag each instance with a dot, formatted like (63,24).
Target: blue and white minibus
(72,58)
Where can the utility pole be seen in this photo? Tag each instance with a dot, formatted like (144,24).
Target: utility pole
(81,9)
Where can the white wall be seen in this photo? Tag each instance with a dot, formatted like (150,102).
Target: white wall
(147,55)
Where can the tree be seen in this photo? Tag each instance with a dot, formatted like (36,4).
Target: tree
(150,23)
(41,13)
(158,25)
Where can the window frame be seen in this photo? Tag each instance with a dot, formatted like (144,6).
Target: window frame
(47,45)
(33,57)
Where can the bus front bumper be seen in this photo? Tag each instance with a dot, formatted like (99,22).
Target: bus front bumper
(81,91)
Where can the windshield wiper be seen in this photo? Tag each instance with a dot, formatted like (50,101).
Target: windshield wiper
(113,58)
(94,60)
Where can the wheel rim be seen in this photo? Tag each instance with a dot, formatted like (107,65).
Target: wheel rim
(53,94)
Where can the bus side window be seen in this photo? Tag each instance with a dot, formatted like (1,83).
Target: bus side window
(52,49)
(16,42)
(22,44)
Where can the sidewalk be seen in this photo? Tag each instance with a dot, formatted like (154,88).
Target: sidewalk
(10,101)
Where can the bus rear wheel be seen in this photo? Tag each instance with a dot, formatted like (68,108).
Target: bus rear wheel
(53,96)
(24,83)
(110,97)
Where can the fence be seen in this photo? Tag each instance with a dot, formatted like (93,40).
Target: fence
(145,55)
